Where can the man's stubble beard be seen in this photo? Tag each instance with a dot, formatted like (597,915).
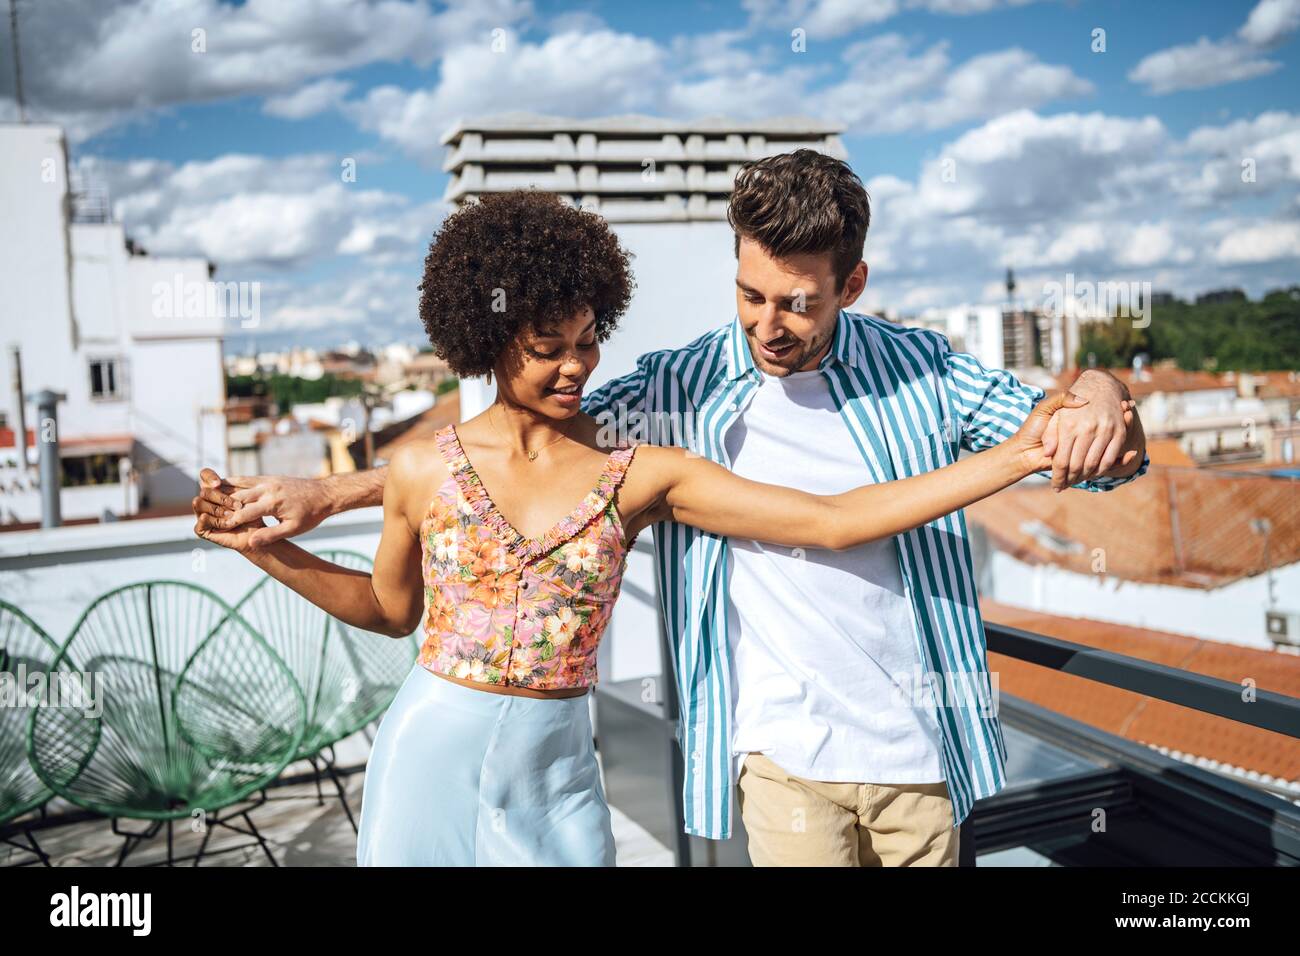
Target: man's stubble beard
(816,347)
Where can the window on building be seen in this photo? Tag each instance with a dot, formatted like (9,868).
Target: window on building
(106,378)
(92,470)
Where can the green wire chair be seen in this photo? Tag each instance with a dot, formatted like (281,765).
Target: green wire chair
(348,676)
(25,649)
(197,712)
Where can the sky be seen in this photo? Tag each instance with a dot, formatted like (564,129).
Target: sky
(1104,139)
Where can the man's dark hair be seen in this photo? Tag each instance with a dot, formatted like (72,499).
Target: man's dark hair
(802,202)
(513,260)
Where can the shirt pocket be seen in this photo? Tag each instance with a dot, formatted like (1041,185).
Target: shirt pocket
(924,453)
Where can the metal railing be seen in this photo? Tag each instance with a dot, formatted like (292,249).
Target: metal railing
(1210,695)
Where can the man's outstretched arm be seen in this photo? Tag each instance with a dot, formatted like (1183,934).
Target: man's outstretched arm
(1088,445)
(298,504)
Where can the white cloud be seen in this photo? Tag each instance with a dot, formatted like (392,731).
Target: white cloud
(1149,244)
(830,19)
(248,212)
(375,306)
(1270,22)
(123,59)
(1199,65)
(308,100)
(889,90)
(1262,242)
(822,19)
(887,87)
(1099,196)
(581,73)
(1245,158)
(1026,167)
(1231,59)
(130,60)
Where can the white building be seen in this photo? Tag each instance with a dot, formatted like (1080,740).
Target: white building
(976,329)
(128,338)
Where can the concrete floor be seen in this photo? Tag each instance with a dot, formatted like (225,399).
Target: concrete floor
(299,830)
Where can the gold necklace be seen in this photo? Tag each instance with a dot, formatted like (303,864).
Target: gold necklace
(532,455)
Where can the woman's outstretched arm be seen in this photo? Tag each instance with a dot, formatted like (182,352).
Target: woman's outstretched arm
(702,493)
(387,601)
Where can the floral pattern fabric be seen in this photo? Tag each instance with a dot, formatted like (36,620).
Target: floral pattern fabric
(504,609)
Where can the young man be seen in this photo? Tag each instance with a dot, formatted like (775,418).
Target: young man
(841,697)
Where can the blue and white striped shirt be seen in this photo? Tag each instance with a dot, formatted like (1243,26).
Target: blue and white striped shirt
(910,403)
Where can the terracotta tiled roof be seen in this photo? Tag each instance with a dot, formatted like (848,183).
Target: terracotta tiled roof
(1146,719)
(446,411)
(1156,379)
(426,362)
(9,437)
(119,443)
(1185,527)
(1167,451)
(1277,384)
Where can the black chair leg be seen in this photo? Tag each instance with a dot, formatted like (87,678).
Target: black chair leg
(316,771)
(265,849)
(34,848)
(133,839)
(343,795)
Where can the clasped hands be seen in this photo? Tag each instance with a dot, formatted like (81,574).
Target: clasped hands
(1089,431)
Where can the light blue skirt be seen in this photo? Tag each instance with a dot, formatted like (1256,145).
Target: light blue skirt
(464,777)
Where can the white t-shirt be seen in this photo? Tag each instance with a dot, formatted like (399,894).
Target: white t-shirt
(823,653)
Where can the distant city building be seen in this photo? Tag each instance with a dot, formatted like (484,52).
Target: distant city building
(977,329)
(426,370)
(1008,337)
(130,339)
(1227,419)
(1221,295)
(1021,347)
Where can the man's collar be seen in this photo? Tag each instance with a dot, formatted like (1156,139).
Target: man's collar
(845,348)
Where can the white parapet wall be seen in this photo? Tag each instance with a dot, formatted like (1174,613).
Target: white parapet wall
(54,574)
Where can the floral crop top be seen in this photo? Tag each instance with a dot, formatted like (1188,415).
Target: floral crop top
(504,609)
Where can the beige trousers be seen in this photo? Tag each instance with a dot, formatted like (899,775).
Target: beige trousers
(792,821)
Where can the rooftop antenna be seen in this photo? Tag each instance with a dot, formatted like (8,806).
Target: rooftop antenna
(18,65)
(1011,288)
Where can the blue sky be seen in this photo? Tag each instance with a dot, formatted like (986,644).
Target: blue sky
(1116,165)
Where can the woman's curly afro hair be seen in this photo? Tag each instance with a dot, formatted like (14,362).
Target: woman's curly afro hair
(513,260)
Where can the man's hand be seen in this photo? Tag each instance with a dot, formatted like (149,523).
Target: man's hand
(239,505)
(1088,442)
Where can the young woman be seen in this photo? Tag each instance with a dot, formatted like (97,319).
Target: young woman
(506,537)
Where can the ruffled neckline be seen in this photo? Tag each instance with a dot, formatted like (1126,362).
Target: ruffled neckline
(471,487)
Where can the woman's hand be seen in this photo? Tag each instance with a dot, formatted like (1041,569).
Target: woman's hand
(238,504)
(239,538)
(1028,440)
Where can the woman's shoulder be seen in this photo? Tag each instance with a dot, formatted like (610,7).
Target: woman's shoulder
(419,462)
